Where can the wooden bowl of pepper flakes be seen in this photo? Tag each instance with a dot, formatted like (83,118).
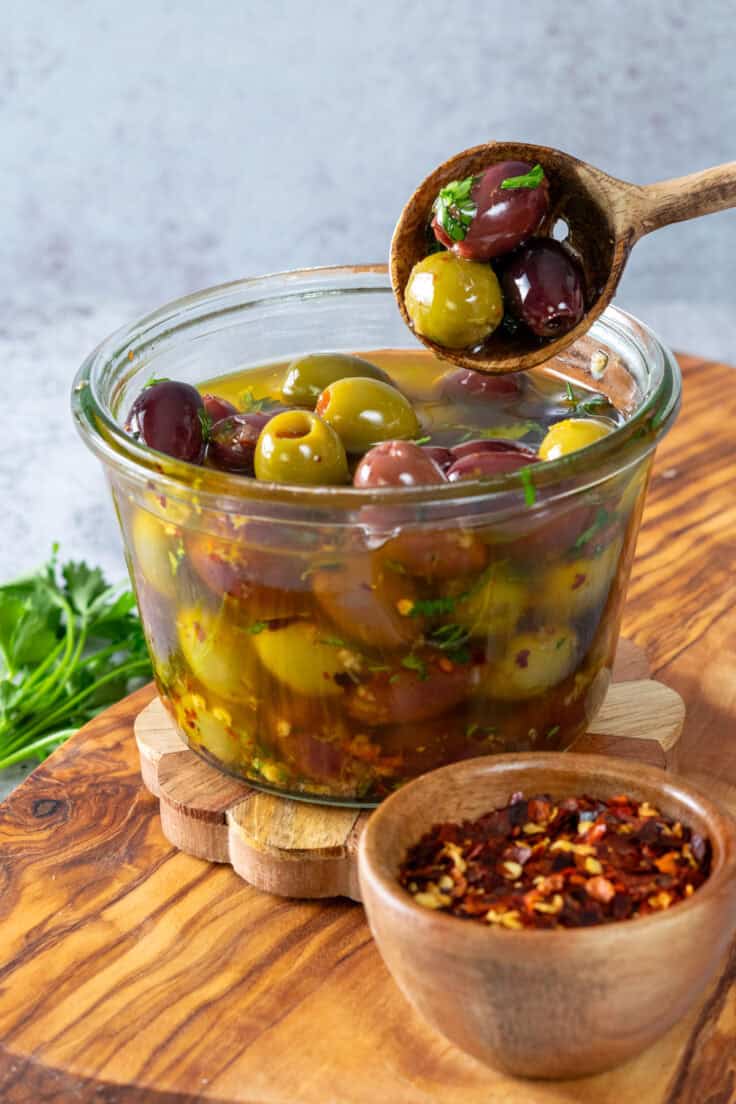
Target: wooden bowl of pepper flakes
(536,998)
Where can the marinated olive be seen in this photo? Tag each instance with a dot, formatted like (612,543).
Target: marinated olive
(543,287)
(570,435)
(493,444)
(453,302)
(366,411)
(167,416)
(233,440)
(218,408)
(157,549)
(397,464)
(298,447)
(364,597)
(533,662)
(438,553)
(480,465)
(492,605)
(422,685)
(238,561)
(480,219)
(219,654)
(302,656)
(443,457)
(307,376)
(467,386)
(211,729)
(570,589)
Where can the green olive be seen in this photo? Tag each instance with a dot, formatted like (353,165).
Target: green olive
(303,657)
(572,588)
(211,728)
(298,447)
(492,605)
(366,411)
(307,376)
(219,655)
(570,435)
(452,301)
(534,662)
(156,547)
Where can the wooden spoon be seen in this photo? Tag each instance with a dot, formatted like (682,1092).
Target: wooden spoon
(603,217)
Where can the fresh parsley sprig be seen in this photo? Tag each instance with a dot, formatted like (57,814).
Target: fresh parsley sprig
(455,209)
(70,645)
(532,179)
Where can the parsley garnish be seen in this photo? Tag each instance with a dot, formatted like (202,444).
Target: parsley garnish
(601,519)
(252,405)
(153,380)
(532,179)
(206,423)
(332,641)
(70,645)
(570,393)
(256,627)
(530,491)
(414,663)
(432,607)
(454,208)
(422,440)
(553,731)
(451,639)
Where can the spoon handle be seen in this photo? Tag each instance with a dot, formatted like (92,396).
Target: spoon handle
(686,197)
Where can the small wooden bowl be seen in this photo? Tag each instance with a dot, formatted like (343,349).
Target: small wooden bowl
(547,1003)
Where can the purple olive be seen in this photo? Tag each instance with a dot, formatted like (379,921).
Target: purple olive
(495,444)
(467,386)
(233,441)
(503,218)
(479,465)
(167,416)
(397,464)
(218,408)
(543,286)
(443,457)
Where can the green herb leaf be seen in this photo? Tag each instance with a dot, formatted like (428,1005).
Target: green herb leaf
(530,491)
(432,607)
(601,519)
(532,179)
(332,641)
(153,380)
(413,663)
(251,405)
(206,423)
(570,393)
(454,208)
(256,627)
(422,440)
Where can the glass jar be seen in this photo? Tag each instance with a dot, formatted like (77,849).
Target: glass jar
(293,630)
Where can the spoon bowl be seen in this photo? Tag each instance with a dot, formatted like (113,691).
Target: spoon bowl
(599,218)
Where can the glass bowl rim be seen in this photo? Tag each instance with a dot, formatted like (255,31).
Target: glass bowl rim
(228,491)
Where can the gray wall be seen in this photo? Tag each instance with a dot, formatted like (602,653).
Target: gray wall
(151,148)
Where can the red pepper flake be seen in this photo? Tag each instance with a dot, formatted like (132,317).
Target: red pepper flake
(522,658)
(540,863)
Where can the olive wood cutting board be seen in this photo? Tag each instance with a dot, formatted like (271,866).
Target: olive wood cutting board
(297,849)
(132,973)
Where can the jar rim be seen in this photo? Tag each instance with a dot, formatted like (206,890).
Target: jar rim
(226,491)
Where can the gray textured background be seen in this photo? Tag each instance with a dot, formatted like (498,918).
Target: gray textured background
(151,148)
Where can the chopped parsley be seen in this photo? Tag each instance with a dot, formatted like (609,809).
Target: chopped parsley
(530,491)
(454,208)
(413,663)
(432,607)
(532,179)
(600,521)
(257,627)
(153,380)
(252,405)
(206,423)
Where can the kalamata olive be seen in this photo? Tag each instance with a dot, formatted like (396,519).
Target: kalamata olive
(479,465)
(493,444)
(233,440)
(167,416)
(424,684)
(364,597)
(239,562)
(467,386)
(443,457)
(397,464)
(543,286)
(438,553)
(218,408)
(486,220)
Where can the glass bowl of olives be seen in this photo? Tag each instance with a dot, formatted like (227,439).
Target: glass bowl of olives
(353,561)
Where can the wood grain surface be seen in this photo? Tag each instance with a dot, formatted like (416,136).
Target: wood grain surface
(131,973)
(296,849)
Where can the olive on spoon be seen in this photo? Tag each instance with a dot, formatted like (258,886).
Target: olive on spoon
(598,217)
